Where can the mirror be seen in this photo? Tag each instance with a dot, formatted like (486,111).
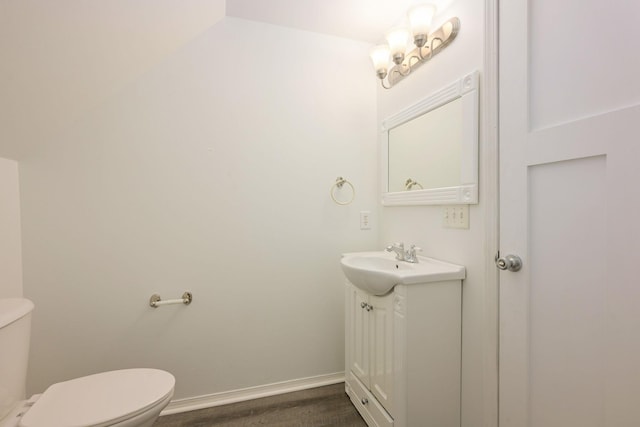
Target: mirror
(430,149)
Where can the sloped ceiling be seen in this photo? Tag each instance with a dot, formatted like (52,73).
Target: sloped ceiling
(364,20)
(61,58)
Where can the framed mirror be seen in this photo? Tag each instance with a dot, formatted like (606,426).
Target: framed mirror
(430,149)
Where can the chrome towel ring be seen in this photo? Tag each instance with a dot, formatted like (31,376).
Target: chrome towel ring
(340,181)
(410,183)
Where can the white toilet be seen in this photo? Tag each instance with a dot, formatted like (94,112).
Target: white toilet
(125,398)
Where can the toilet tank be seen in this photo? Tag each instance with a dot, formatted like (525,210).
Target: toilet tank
(15,331)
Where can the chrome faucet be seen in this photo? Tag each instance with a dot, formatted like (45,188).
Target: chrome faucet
(398,248)
(408,255)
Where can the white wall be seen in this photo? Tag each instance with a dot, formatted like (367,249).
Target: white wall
(211,173)
(423,225)
(61,58)
(10,241)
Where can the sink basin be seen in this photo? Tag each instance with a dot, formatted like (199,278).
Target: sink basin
(378,272)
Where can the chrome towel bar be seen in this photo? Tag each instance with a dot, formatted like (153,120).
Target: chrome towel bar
(155,301)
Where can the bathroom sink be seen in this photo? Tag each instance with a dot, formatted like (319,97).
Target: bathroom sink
(378,272)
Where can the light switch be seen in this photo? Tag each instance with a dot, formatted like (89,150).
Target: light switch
(455,216)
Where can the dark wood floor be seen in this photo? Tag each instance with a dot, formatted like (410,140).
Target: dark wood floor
(318,407)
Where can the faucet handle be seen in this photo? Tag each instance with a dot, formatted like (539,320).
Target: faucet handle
(398,248)
(394,246)
(411,254)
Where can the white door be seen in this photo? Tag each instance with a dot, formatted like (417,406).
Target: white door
(570,208)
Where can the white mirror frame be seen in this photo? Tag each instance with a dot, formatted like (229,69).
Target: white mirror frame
(466,193)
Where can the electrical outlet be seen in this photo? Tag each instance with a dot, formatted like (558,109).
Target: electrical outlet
(365,220)
(455,216)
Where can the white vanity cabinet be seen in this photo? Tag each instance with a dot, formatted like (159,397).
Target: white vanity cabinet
(403,354)
(371,345)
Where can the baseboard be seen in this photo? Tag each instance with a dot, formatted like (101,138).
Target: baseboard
(224,398)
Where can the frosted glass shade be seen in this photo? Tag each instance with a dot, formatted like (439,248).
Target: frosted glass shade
(380,57)
(397,40)
(420,18)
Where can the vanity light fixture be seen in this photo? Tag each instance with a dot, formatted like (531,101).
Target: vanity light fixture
(427,44)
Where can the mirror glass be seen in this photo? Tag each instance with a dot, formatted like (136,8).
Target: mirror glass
(430,150)
(425,152)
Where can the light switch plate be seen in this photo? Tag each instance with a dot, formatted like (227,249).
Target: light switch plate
(455,216)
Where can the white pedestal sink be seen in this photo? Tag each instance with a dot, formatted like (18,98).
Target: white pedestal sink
(378,272)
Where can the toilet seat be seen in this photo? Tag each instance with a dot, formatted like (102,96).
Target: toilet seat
(100,400)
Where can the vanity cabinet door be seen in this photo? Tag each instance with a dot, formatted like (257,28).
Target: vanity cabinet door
(358,336)
(382,349)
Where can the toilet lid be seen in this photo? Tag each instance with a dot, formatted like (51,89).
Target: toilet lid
(99,400)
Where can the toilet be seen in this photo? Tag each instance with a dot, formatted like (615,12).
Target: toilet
(122,398)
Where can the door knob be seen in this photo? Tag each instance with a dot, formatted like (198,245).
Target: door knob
(509,262)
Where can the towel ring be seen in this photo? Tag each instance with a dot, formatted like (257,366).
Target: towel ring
(340,181)
(410,183)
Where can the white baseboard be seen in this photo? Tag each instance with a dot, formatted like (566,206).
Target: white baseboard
(233,396)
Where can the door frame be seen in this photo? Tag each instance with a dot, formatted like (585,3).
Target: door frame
(490,197)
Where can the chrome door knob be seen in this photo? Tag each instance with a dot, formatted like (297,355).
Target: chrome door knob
(364,401)
(509,262)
